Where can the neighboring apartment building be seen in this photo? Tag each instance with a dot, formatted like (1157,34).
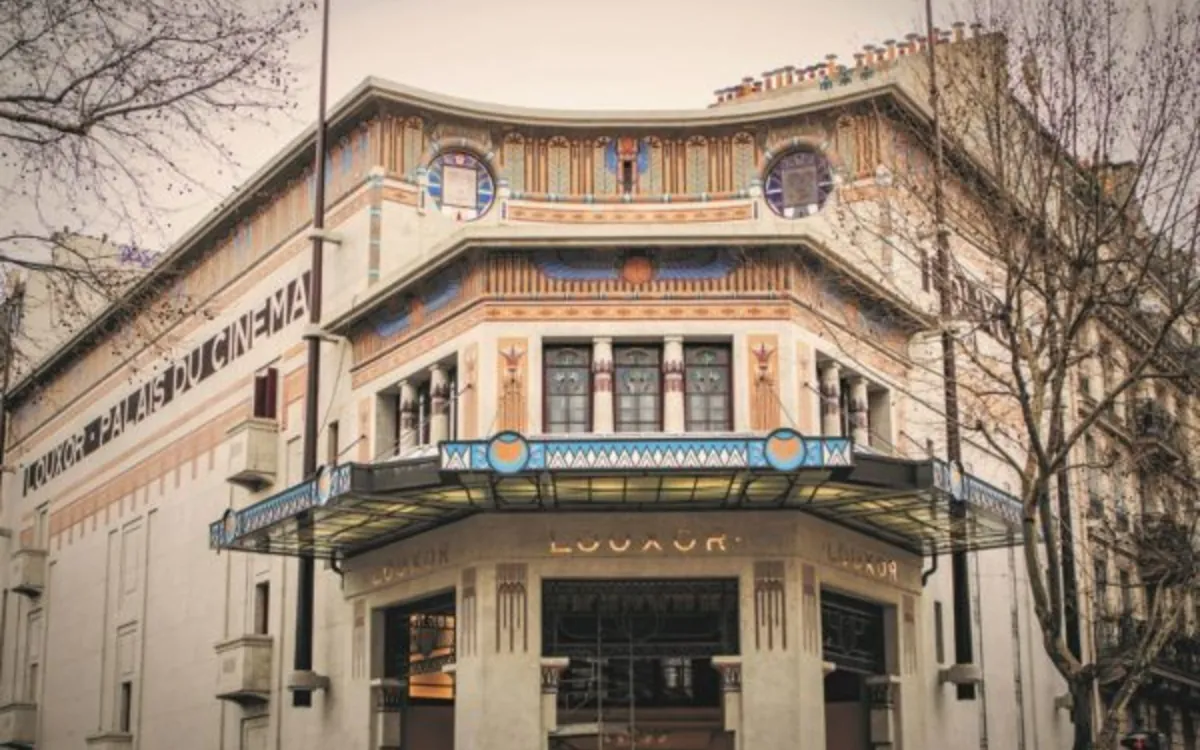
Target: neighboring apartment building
(618,441)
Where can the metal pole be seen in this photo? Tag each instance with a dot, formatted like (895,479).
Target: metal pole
(302,661)
(963,648)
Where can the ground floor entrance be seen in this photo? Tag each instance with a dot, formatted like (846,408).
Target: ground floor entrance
(639,670)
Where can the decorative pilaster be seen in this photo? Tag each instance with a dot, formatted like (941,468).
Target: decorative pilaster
(764,382)
(673,408)
(408,418)
(602,385)
(860,430)
(770,606)
(468,397)
(513,364)
(439,397)
(831,386)
(512,608)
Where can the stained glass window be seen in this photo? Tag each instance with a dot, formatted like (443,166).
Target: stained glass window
(798,183)
(637,382)
(568,389)
(706,388)
(461,185)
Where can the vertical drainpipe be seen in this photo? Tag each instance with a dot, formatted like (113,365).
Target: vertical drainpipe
(964,652)
(302,661)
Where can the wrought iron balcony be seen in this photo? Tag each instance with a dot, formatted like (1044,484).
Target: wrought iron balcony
(1156,432)
(1117,638)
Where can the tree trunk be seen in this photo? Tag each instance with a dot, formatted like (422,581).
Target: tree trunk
(1081,714)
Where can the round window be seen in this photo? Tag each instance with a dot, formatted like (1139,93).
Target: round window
(798,183)
(461,185)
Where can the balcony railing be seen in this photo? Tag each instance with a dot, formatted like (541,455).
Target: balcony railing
(1117,637)
(1156,430)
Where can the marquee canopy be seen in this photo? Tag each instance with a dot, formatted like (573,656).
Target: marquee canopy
(353,508)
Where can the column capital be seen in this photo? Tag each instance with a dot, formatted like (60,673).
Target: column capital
(673,339)
(602,339)
(437,367)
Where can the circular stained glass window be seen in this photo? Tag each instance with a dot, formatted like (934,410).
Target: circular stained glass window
(461,185)
(798,184)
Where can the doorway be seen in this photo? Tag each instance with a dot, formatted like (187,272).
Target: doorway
(852,638)
(640,654)
(418,640)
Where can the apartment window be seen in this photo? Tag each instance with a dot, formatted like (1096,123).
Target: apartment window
(637,385)
(1100,585)
(708,405)
(266,388)
(32,687)
(568,375)
(331,447)
(262,608)
(125,707)
(1126,592)
(939,633)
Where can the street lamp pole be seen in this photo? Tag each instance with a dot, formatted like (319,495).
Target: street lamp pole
(302,658)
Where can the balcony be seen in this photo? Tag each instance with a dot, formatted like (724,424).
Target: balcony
(29,571)
(244,669)
(1117,637)
(18,725)
(253,453)
(1164,547)
(1156,434)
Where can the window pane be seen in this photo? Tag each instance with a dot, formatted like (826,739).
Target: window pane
(706,379)
(638,392)
(568,384)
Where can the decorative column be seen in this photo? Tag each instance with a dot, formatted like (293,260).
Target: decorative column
(602,385)
(860,430)
(439,397)
(730,669)
(552,668)
(408,417)
(831,423)
(673,413)
(881,694)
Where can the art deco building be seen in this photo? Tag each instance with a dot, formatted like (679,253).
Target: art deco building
(623,442)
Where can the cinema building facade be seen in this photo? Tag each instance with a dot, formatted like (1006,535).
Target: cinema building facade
(622,445)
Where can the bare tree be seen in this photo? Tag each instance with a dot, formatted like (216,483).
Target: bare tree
(108,108)
(1069,199)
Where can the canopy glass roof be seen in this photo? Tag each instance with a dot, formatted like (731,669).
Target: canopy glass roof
(353,508)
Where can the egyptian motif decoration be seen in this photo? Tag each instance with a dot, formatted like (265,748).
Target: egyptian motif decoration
(467,620)
(764,379)
(431,298)
(809,611)
(770,606)
(512,160)
(512,608)
(468,395)
(513,366)
(636,267)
